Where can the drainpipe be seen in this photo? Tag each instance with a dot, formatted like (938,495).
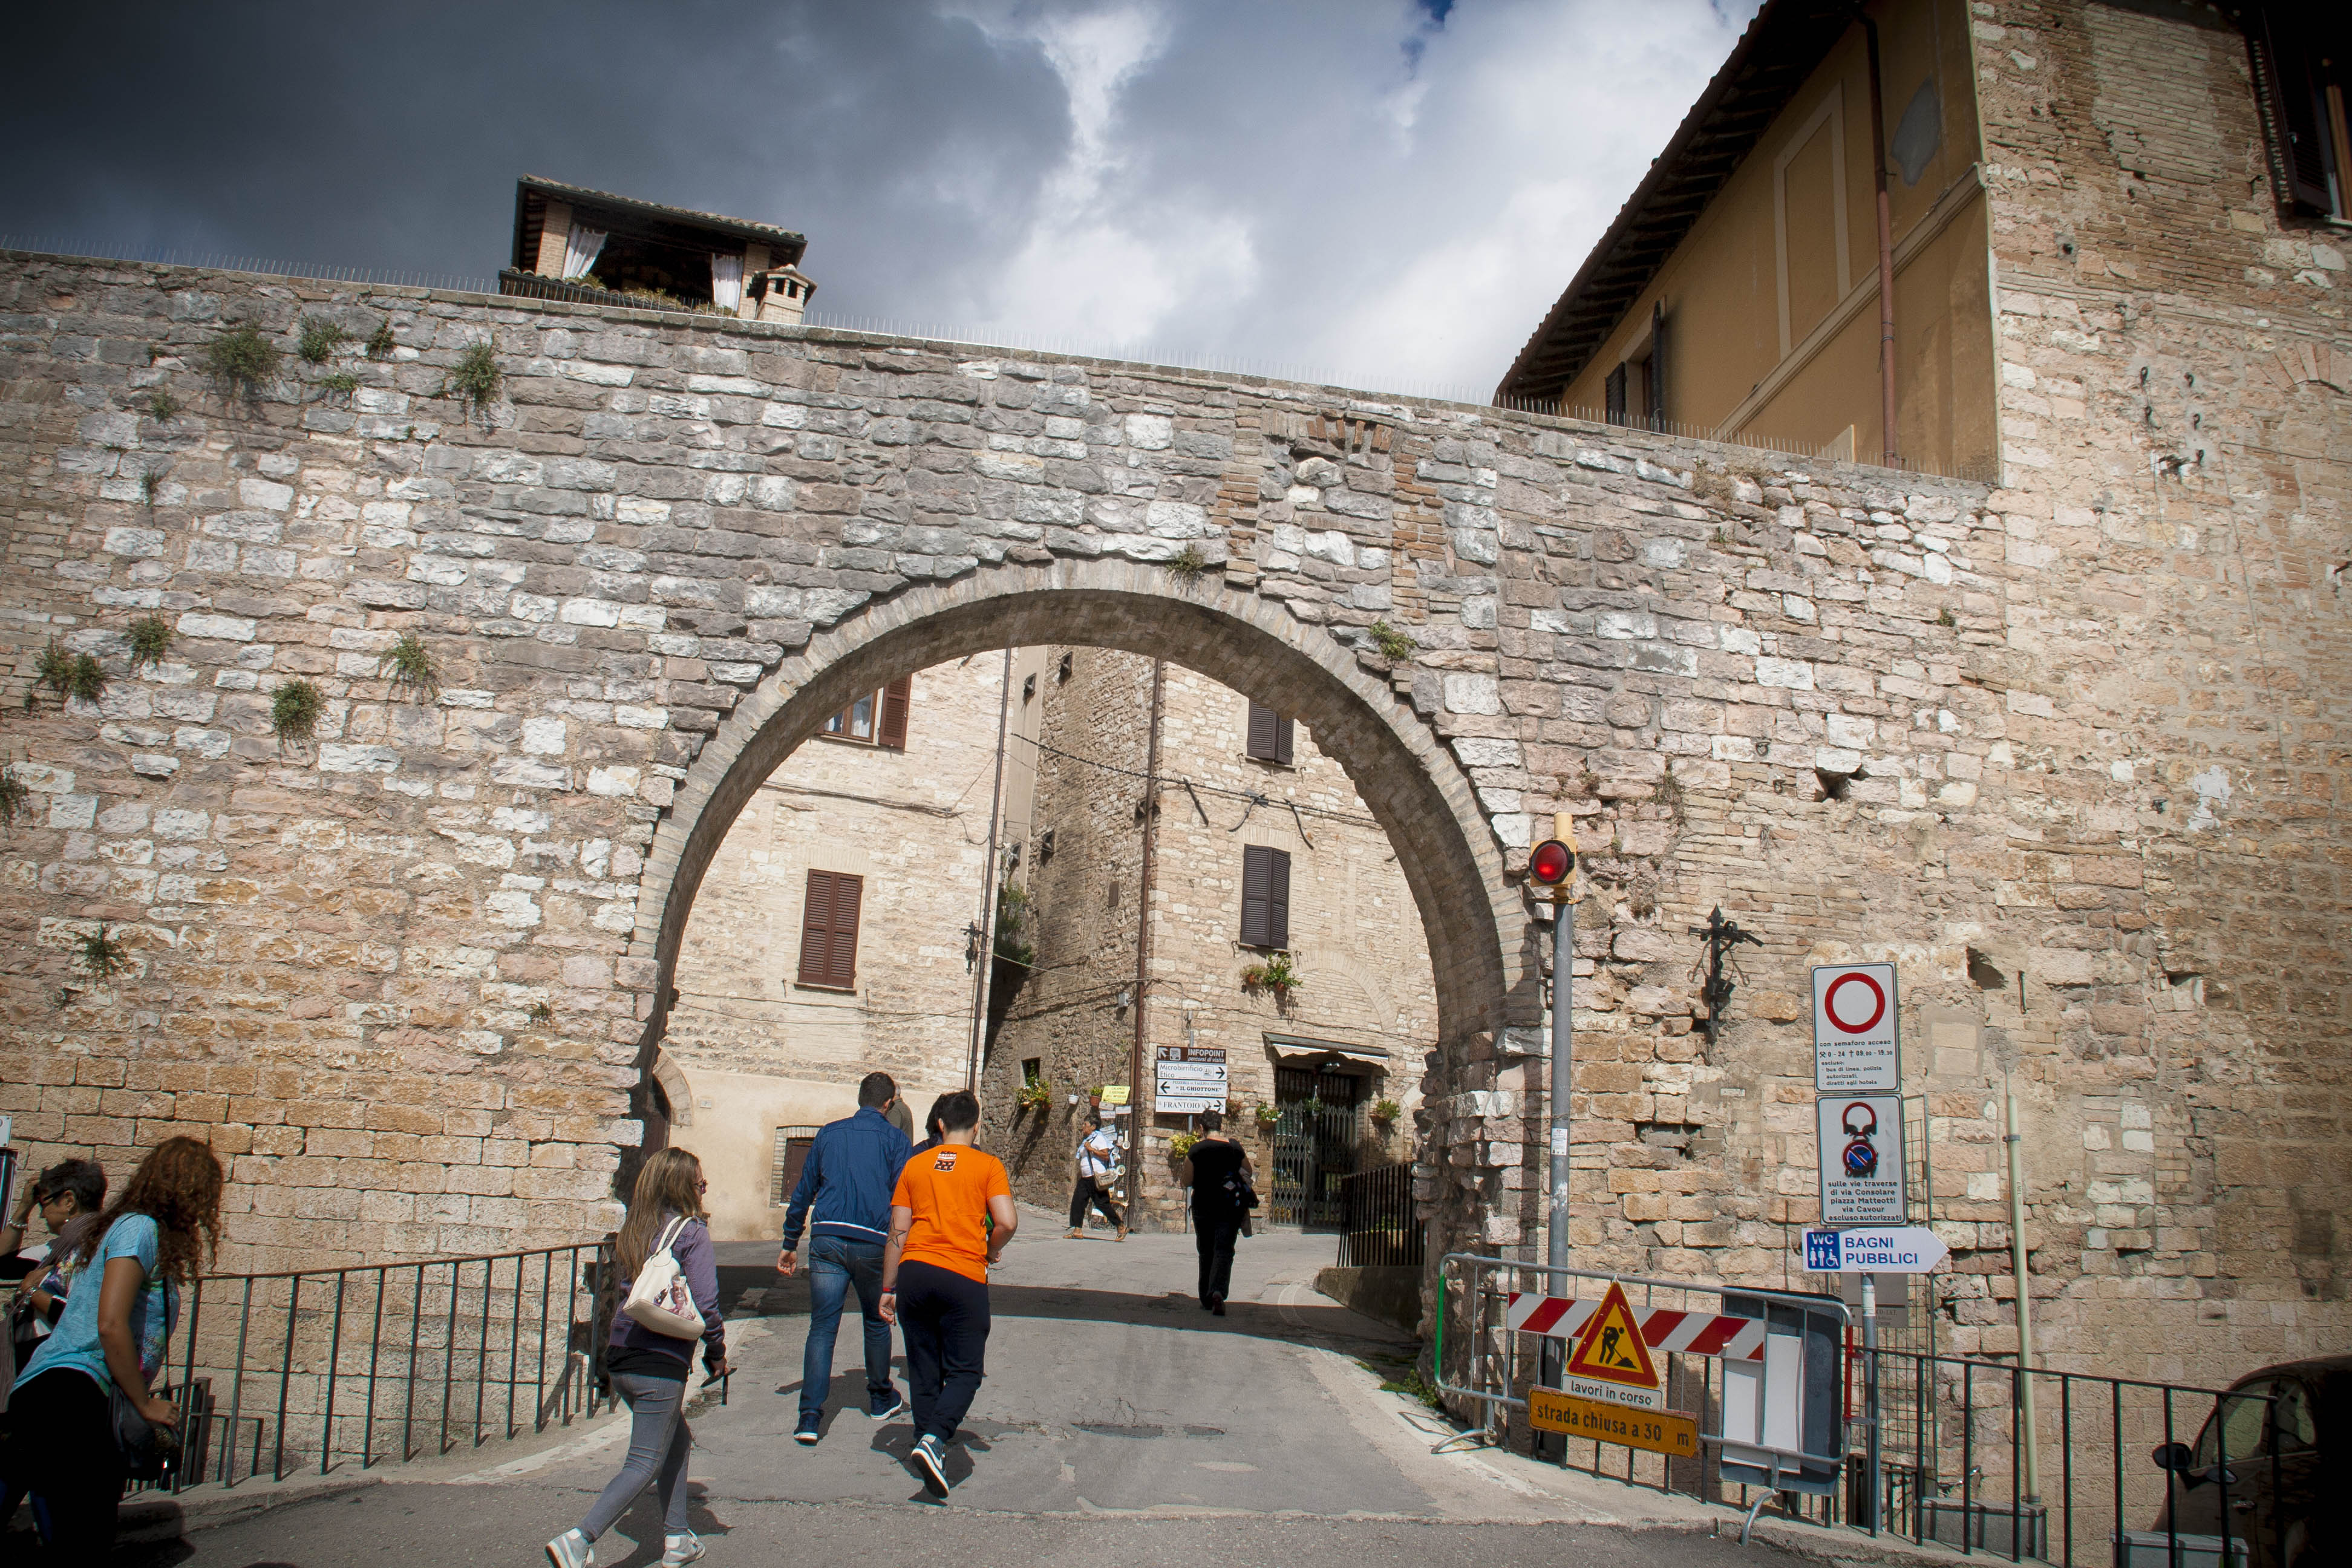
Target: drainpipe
(2025,1359)
(1143,944)
(985,962)
(1885,254)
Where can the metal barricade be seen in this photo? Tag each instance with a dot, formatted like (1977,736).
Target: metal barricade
(1771,1412)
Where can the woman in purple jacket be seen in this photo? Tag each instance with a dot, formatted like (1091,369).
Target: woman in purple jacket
(648,1369)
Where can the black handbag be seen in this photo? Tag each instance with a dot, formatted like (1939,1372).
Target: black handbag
(148,1451)
(1238,1188)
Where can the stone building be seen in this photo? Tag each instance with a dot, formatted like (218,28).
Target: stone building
(1259,849)
(572,243)
(830,939)
(2063,742)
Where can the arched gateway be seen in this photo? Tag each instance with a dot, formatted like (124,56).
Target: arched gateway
(1475,922)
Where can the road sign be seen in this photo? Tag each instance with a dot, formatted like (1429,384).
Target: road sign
(1857,1044)
(1188,1080)
(1663,1328)
(1861,1155)
(1660,1431)
(1893,1249)
(1611,1361)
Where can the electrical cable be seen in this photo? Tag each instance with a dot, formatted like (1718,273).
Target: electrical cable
(1166,780)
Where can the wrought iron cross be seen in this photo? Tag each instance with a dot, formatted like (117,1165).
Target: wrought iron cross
(1722,937)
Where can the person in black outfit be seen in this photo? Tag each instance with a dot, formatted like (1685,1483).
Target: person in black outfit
(1218,1173)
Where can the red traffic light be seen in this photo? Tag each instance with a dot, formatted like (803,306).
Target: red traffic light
(1550,863)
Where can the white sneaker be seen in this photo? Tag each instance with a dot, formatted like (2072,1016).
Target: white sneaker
(679,1549)
(572,1549)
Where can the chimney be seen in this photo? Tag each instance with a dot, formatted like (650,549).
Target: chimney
(784,295)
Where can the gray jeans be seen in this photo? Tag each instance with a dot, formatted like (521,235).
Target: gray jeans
(658,1441)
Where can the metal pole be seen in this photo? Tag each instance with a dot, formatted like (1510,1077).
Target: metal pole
(2025,1361)
(984,959)
(1870,1367)
(1563,983)
(1143,941)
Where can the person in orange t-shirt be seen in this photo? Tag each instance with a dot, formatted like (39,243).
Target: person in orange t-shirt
(950,1218)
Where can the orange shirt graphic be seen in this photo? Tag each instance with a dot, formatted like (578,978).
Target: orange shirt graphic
(949,1188)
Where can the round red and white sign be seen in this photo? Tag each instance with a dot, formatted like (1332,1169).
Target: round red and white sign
(1855,1005)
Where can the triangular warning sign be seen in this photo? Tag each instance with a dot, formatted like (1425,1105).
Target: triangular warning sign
(1611,1349)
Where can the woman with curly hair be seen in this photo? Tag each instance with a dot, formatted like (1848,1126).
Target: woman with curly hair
(128,1268)
(650,1369)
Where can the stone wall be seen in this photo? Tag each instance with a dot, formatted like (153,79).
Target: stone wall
(672,544)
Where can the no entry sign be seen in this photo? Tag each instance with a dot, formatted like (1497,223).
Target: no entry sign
(1857,1049)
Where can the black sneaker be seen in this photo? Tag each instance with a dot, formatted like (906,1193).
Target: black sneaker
(893,1403)
(806,1434)
(932,1456)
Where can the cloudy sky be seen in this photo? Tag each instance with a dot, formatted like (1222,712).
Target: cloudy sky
(1386,192)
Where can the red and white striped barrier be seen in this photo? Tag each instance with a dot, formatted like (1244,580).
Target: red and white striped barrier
(1662,1328)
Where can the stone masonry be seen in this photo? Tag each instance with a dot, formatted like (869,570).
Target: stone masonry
(2065,749)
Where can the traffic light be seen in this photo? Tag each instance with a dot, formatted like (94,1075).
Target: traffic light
(1551,864)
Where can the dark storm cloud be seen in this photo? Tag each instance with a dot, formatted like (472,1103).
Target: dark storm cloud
(1394,187)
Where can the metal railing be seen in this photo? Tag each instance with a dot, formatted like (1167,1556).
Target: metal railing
(1955,1465)
(1378,1228)
(380,1363)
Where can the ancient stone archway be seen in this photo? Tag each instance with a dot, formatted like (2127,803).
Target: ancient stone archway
(1475,922)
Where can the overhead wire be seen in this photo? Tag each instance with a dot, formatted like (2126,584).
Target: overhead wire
(1178,780)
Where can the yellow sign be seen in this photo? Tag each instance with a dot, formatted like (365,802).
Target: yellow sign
(1114,1094)
(1669,1432)
(1611,1349)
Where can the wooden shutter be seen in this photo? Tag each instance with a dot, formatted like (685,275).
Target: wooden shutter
(1612,396)
(1266,896)
(2288,95)
(1269,735)
(1653,385)
(897,698)
(829,928)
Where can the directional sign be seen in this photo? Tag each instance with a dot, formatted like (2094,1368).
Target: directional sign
(1860,1154)
(1894,1249)
(1612,1362)
(1857,1049)
(1188,1080)
(1660,1431)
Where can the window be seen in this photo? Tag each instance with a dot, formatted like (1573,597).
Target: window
(1269,735)
(877,719)
(1266,896)
(2301,81)
(1032,1071)
(829,930)
(2238,1424)
(792,1145)
(1635,392)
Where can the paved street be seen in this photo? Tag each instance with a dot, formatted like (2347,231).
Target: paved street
(1118,1421)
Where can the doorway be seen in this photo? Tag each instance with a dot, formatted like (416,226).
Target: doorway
(1315,1141)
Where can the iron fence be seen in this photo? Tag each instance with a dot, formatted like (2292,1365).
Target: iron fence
(380,1363)
(1964,1457)
(1378,1228)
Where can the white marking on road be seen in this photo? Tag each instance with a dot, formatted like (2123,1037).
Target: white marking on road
(1223,1467)
(602,1435)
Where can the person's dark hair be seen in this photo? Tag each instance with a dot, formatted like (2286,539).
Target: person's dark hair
(933,1126)
(1213,1121)
(669,1183)
(85,1179)
(876,1089)
(179,1187)
(958,1112)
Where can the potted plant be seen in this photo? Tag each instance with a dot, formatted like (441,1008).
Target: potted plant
(1267,1116)
(1033,1093)
(1386,1111)
(1278,975)
(1180,1147)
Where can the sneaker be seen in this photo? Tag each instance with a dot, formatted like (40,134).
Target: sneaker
(932,1456)
(680,1549)
(806,1434)
(572,1549)
(896,1405)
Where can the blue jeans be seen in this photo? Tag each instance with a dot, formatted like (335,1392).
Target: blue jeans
(834,1265)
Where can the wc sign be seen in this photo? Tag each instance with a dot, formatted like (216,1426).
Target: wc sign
(1895,1249)
(1857,1046)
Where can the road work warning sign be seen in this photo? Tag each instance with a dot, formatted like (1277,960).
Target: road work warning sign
(1611,1361)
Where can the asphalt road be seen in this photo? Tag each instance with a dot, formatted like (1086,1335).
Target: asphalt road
(1118,1424)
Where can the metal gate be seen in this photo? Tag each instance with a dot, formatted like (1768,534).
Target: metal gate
(1315,1143)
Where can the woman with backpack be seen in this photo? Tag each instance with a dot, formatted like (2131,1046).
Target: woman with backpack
(1217,1171)
(663,1254)
(83,1408)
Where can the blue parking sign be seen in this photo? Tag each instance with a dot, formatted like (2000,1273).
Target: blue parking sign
(1821,1251)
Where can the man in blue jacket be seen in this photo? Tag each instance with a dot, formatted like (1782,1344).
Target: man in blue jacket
(843,1199)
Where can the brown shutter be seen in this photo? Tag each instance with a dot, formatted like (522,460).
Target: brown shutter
(1257,872)
(1282,739)
(1653,385)
(2288,95)
(1612,396)
(1278,898)
(829,928)
(1262,723)
(895,699)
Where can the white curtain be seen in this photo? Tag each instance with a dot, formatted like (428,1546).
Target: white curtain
(581,248)
(727,282)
